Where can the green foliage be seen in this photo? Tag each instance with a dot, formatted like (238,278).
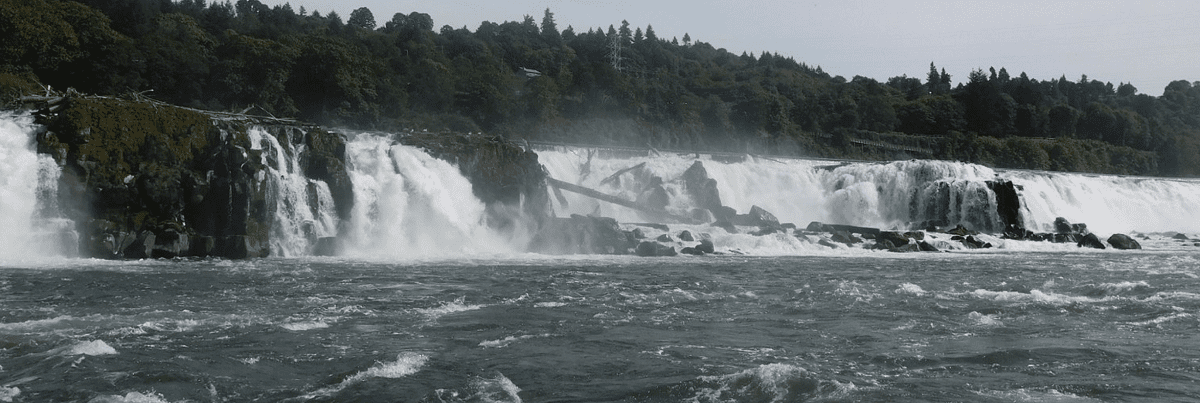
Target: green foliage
(522,78)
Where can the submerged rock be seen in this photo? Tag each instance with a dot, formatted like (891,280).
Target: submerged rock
(1123,242)
(652,249)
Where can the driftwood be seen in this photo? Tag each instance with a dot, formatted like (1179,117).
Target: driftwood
(614,177)
(616,200)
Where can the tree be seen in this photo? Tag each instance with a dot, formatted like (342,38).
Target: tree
(687,39)
(361,18)
(550,29)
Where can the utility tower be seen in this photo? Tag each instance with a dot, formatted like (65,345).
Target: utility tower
(614,52)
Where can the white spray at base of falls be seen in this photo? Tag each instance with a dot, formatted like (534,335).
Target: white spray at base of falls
(899,194)
(410,204)
(27,177)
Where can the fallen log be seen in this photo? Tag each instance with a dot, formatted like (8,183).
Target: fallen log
(616,200)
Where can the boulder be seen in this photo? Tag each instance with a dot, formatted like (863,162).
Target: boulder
(760,218)
(962,231)
(686,236)
(706,246)
(664,238)
(895,238)
(702,189)
(926,247)
(815,226)
(1062,226)
(911,247)
(1180,236)
(691,251)
(654,196)
(142,246)
(866,232)
(638,233)
(170,243)
(1124,242)
(827,243)
(845,237)
(651,249)
(973,243)
(1091,241)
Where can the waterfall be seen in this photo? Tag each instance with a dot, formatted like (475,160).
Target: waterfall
(28,195)
(1109,204)
(304,208)
(899,194)
(410,204)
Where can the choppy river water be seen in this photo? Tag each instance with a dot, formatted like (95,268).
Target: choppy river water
(1000,327)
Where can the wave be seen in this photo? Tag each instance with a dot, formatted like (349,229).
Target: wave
(405,364)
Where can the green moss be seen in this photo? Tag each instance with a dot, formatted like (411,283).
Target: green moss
(120,135)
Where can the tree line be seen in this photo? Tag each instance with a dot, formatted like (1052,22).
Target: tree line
(607,85)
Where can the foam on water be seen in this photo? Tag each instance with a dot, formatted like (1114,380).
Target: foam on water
(93,347)
(7,394)
(131,397)
(771,383)
(405,364)
(446,308)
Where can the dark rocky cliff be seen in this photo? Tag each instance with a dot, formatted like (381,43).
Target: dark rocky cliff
(145,179)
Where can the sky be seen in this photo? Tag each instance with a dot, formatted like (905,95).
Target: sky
(1146,43)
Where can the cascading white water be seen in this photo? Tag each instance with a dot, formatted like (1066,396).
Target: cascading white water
(304,208)
(409,204)
(898,194)
(26,177)
(893,195)
(1109,204)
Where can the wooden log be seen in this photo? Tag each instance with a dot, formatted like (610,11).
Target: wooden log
(614,177)
(616,200)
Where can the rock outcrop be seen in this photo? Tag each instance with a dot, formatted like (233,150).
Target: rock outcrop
(143,179)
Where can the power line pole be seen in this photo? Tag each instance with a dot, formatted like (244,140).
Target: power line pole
(614,52)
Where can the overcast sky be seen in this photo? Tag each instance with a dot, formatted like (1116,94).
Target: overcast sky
(1146,43)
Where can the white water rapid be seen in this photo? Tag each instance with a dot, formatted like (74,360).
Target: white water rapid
(900,194)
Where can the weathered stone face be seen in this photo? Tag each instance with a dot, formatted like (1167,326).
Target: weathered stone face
(143,179)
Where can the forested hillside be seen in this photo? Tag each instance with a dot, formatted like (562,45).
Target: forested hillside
(605,85)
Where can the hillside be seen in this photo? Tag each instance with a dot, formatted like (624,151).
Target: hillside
(610,85)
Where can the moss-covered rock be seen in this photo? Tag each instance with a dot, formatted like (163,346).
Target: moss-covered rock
(134,168)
